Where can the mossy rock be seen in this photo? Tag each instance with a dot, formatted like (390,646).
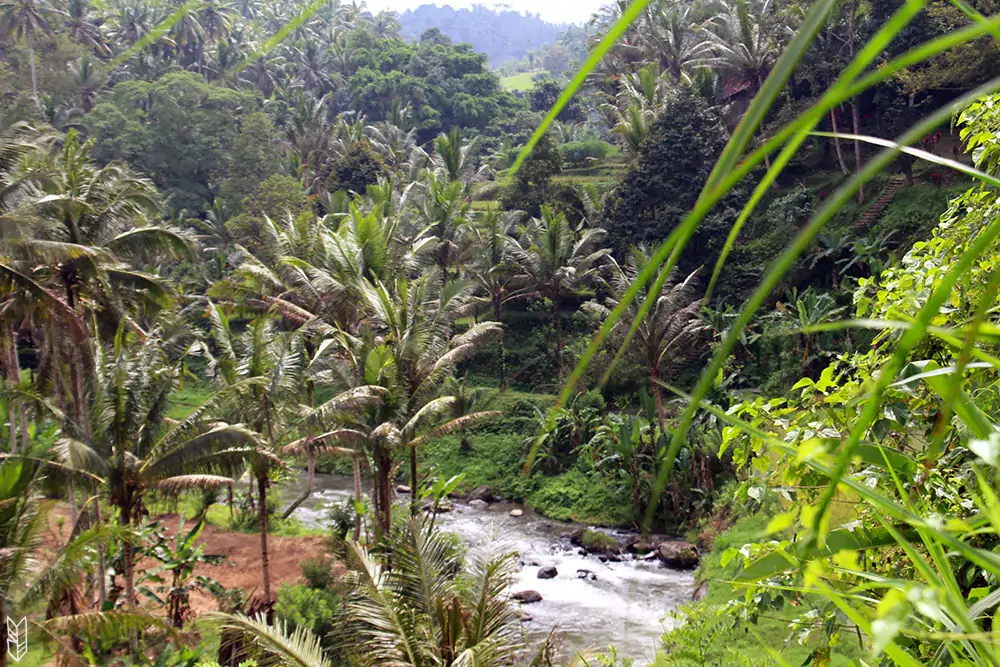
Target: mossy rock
(596,542)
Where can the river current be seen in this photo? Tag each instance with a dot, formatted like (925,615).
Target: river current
(593,604)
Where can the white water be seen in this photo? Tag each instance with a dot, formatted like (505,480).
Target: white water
(625,606)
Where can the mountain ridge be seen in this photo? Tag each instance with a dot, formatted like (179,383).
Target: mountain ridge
(502,34)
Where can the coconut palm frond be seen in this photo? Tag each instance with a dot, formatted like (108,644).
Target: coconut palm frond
(151,285)
(432,409)
(320,442)
(185,482)
(389,631)
(477,333)
(152,241)
(350,400)
(66,570)
(78,455)
(274,644)
(110,625)
(218,449)
(457,424)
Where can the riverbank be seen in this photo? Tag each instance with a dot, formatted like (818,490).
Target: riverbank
(496,459)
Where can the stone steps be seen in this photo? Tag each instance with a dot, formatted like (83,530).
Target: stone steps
(874,211)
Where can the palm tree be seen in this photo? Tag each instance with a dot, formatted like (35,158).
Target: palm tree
(416,318)
(187,35)
(418,612)
(675,41)
(130,445)
(744,44)
(493,268)
(264,73)
(445,210)
(558,262)
(454,158)
(87,80)
(84,28)
(131,21)
(671,330)
(216,19)
(25,18)
(271,364)
(90,222)
(22,522)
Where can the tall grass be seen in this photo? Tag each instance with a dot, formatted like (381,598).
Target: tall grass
(964,631)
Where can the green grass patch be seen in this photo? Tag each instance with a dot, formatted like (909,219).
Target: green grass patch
(187,399)
(522,81)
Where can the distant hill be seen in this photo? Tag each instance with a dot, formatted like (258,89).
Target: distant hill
(501,34)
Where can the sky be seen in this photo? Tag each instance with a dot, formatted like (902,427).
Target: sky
(555,11)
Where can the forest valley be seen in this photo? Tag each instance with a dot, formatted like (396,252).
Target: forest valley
(688,284)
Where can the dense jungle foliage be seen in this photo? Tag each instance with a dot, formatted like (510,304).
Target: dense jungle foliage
(731,277)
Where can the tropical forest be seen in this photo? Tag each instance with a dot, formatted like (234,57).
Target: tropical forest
(334,335)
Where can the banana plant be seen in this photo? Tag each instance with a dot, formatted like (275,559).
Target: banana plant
(173,578)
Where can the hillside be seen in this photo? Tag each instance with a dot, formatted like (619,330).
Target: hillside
(503,35)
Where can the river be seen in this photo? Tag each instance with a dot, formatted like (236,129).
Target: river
(623,606)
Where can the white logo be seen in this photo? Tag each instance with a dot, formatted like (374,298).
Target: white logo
(17,638)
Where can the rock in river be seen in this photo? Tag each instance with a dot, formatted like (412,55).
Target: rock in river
(527,597)
(516,513)
(478,504)
(548,572)
(481,493)
(678,555)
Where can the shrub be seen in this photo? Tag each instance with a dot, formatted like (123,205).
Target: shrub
(578,152)
(318,572)
(302,606)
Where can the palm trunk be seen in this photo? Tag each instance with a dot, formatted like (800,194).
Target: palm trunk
(71,498)
(654,374)
(125,521)
(310,478)
(29,34)
(12,424)
(102,591)
(413,481)
(497,304)
(855,111)
(357,496)
(13,381)
(383,496)
(557,319)
(3,633)
(265,567)
(836,144)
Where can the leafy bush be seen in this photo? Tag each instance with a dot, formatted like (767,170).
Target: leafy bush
(573,496)
(304,606)
(582,152)
(318,572)
(657,192)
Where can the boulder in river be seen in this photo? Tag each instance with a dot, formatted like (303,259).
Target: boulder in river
(402,488)
(700,591)
(678,555)
(517,512)
(478,504)
(586,574)
(548,572)
(642,547)
(527,597)
(595,542)
(481,493)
